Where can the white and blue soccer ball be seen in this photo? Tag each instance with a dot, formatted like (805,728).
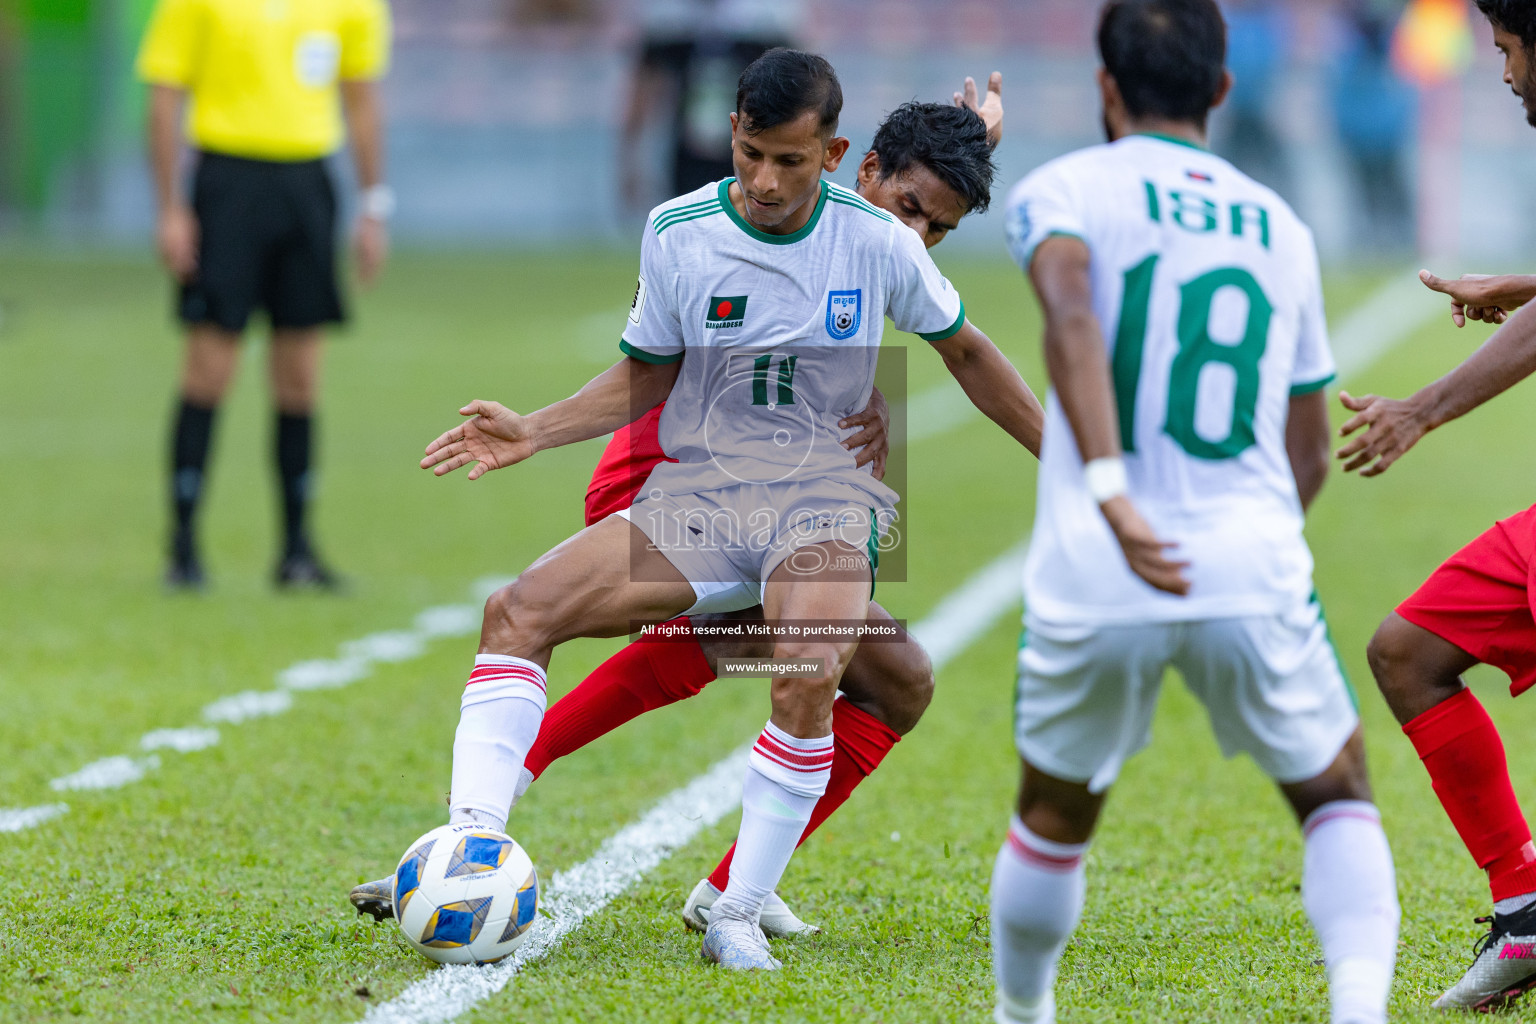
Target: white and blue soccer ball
(466,894)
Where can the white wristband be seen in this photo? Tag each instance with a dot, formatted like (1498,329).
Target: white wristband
(378,202)
(1106,478)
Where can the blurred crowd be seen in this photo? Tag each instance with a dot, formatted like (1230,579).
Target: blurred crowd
(515,89)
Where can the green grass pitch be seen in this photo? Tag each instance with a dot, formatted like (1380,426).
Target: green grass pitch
(214,889)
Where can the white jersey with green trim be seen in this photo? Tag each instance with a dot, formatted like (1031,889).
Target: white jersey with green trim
(778,335)
(1206,286)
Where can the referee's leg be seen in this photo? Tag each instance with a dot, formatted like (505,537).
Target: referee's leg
(212,353)
(296,360)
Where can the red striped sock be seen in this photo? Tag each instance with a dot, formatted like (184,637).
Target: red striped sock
(644,676)
(1464,756)
(860,743)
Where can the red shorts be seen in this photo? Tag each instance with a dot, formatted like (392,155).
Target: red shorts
(1480,599)
(625,466)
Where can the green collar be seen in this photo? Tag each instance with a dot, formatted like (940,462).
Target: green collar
(763,236)
(1173,139)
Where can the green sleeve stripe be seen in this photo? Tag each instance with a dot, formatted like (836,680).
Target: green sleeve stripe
(1309,387)
(851,197)
(675,214)
(683,209)
(697,215)
(647,357)
(687,211)
(950,331)
(859,204)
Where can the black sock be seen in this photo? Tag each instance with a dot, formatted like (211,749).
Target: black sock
(293,443)
(190,438)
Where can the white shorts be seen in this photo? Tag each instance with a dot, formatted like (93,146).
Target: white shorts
(728,542)
(1271,684)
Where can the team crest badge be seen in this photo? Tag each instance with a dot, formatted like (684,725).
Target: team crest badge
(844,312)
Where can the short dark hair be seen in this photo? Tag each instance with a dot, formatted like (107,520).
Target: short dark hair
(950,141)
(783,84)
(1166,56)
(1517,17)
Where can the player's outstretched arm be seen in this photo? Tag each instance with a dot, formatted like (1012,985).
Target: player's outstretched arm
(1392,426)
(1486,297)
(993,384)
(495,437)
(1078,363)
(990,109)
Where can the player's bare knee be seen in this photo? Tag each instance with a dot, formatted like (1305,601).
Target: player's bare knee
(1386,653)
(908,689)
(516,619)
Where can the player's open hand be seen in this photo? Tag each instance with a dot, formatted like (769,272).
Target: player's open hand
(990,109)
(1146,553)
(1489,298)
(495,438)
(1391,426)
(873,441)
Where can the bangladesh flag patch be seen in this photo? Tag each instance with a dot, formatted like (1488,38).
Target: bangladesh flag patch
(725,311)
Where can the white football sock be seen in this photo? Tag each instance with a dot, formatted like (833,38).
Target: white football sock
(499,719)
(785,778)
(1349,890)
(1037,898)
(1514,903)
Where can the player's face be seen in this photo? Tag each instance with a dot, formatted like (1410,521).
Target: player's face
(779,170)
(916,197)
(1519,70)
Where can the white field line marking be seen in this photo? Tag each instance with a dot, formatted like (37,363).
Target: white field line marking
(355,661)
(577,893)
(108,773)
(183,741)
(1392,313)
(16,819)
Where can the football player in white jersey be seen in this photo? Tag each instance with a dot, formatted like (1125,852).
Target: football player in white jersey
(1186,431)
(758,319)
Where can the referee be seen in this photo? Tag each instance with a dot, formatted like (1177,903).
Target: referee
(269,83)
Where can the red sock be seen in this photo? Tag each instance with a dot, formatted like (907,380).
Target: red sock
(1462,751)
(644,676)
(860,742)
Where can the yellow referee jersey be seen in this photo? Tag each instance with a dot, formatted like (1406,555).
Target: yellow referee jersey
(262,74)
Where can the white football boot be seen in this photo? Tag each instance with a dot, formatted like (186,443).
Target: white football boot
(736,943)
(1503,965)
(777,921)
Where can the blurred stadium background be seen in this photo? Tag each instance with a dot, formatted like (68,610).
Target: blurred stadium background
(505,116)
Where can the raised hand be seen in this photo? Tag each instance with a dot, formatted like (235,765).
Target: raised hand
(1144,551)
(1489,298)
(873,442)
(990,109)
(495,438)
(1392,427)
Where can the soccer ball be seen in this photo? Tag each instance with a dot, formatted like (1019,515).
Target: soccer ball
(466,894)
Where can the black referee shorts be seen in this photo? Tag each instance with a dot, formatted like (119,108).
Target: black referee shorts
(267,240)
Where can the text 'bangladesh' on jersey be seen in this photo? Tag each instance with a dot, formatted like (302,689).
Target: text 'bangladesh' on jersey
(1206,286)
(781,335)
